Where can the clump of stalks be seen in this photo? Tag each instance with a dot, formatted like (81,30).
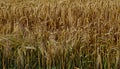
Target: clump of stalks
(62,34)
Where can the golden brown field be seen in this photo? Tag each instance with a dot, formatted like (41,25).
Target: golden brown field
(59,34)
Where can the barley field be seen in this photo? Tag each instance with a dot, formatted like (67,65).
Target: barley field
(59,34)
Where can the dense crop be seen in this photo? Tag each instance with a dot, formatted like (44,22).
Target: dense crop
(59,34)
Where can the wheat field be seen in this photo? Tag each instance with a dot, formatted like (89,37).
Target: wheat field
(59,34)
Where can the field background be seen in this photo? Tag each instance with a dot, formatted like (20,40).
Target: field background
(59,34)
